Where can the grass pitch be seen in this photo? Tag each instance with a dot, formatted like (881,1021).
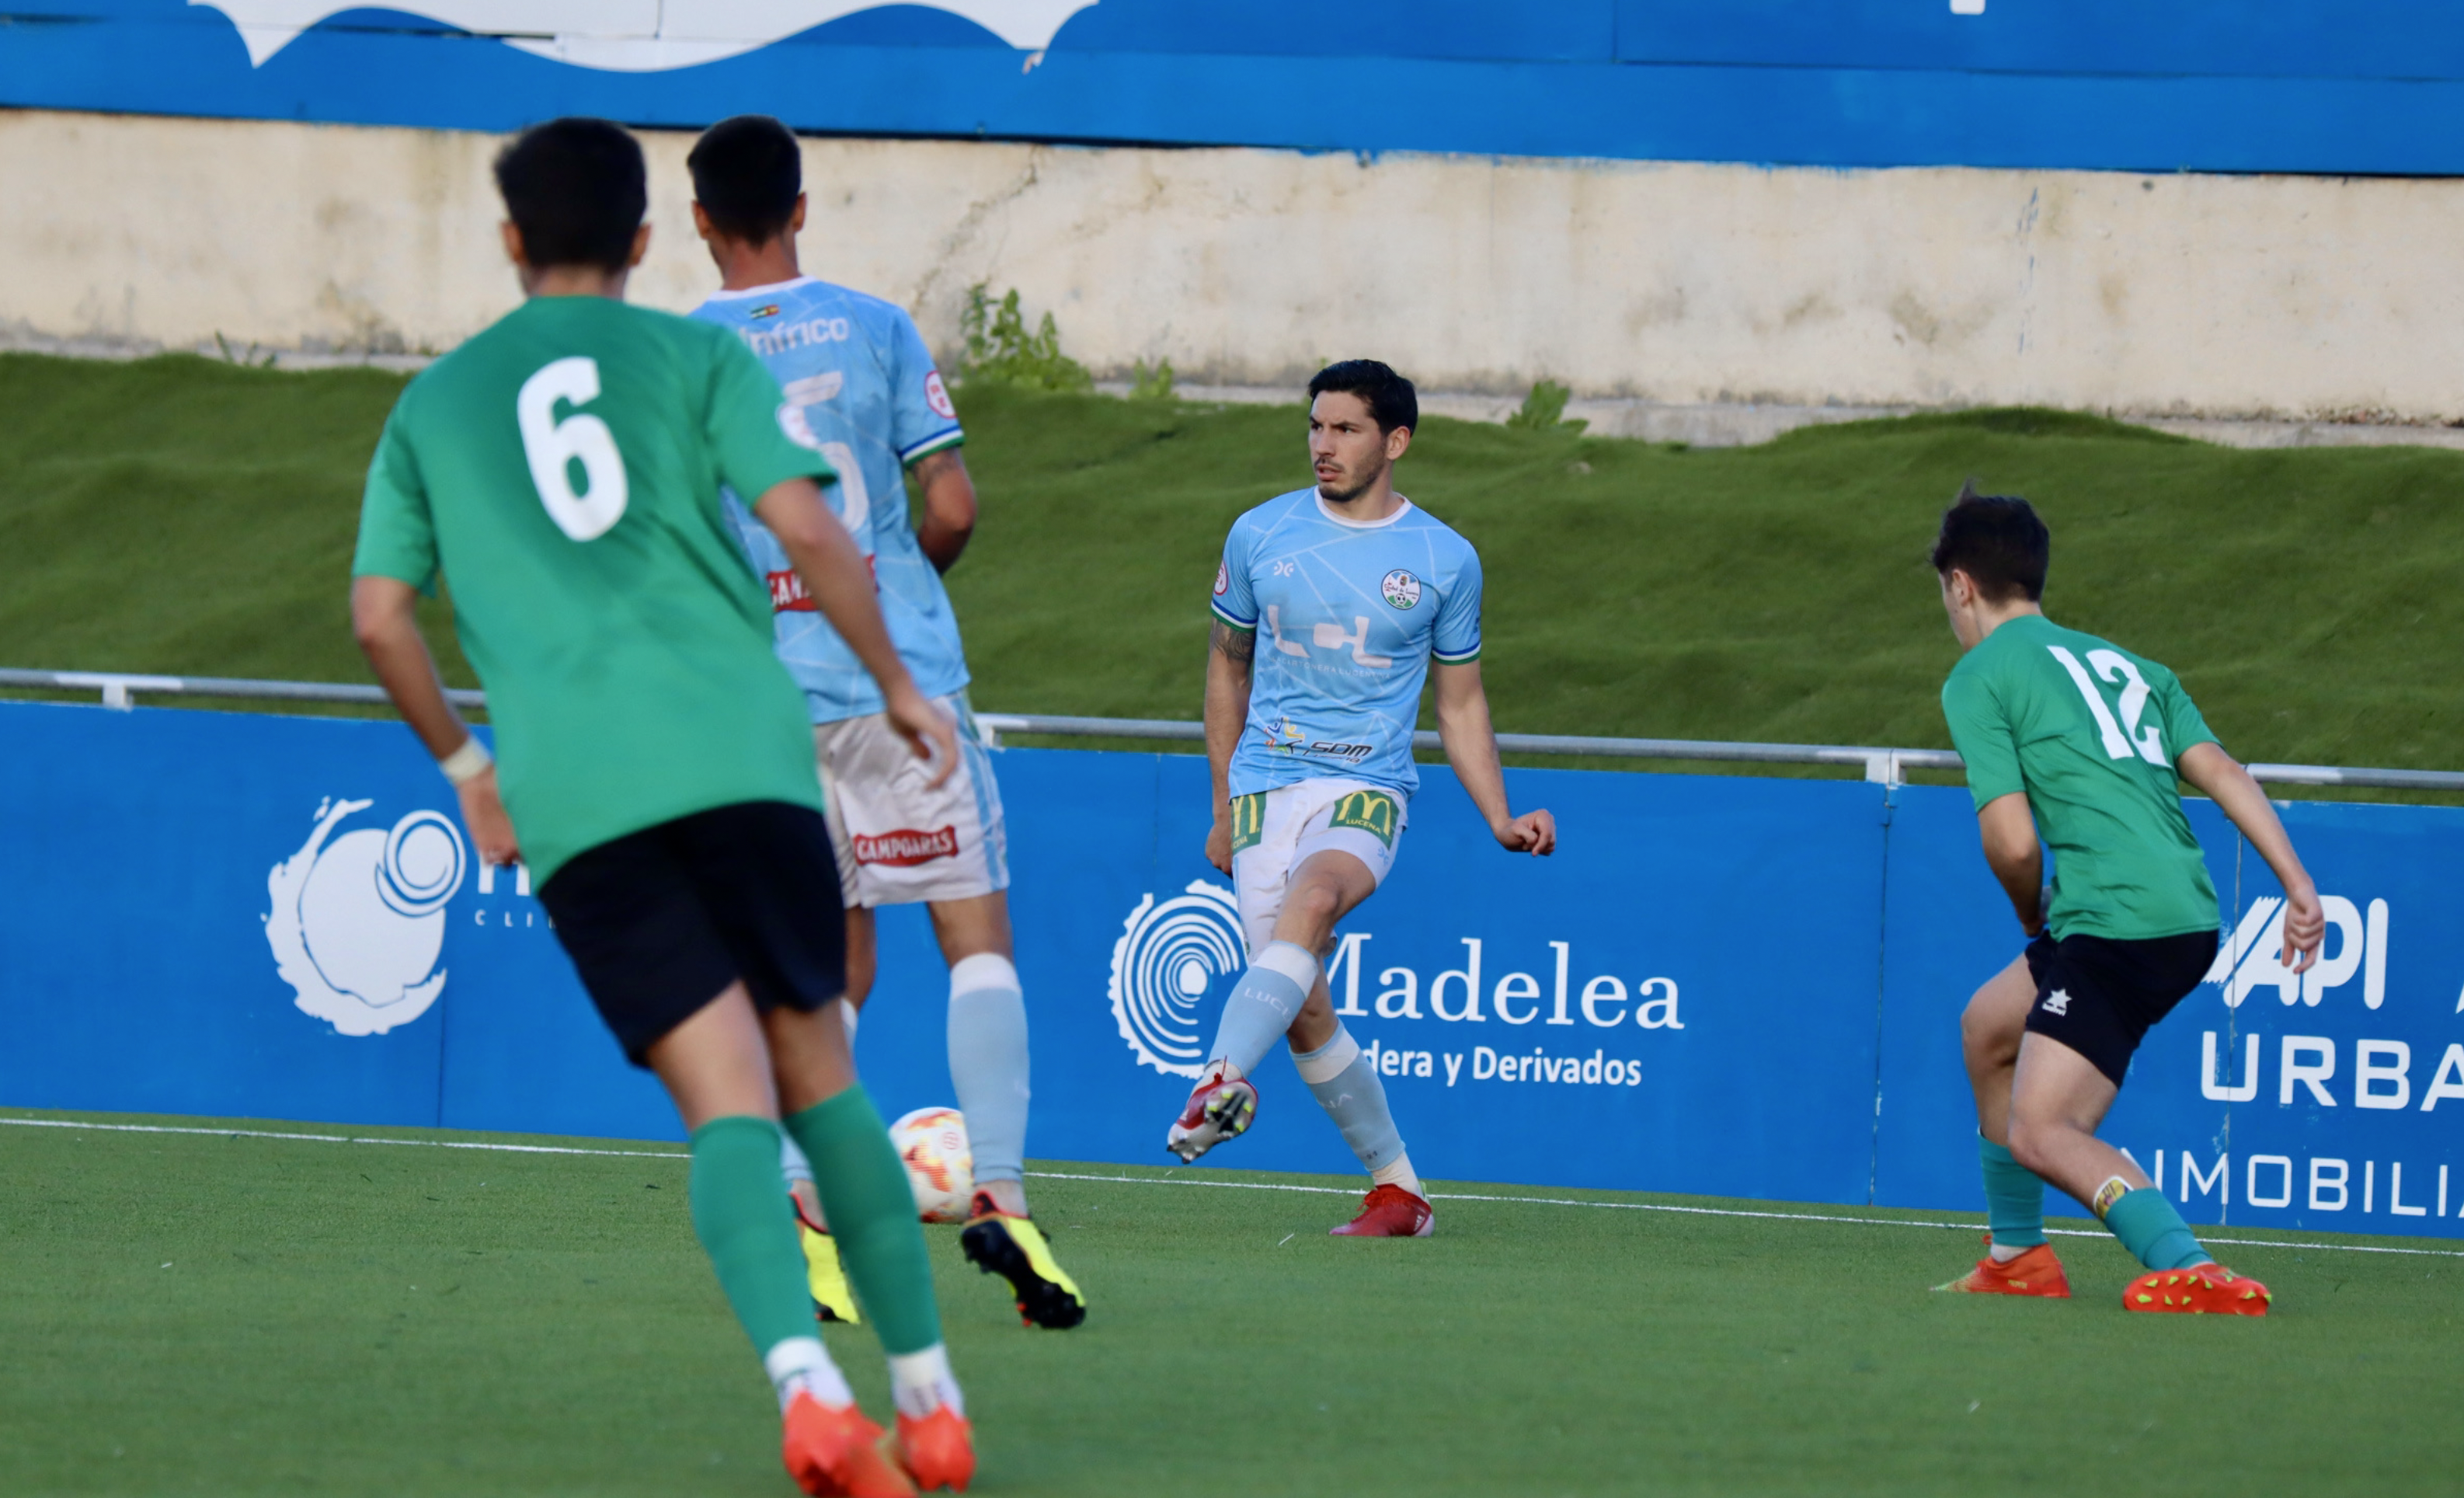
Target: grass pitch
(212,1312)
(181,517)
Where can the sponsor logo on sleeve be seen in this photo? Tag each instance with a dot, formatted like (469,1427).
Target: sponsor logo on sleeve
(1223,579)
(937,395)
(1401,589)
(905,848)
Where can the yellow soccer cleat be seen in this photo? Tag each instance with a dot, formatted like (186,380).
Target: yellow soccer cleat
(1013,1249)
(832,1299)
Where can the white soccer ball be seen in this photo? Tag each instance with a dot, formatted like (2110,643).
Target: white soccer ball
(941,1163)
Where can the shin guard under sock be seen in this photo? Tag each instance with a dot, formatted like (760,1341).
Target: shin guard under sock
(1262,1004)
(988,1063)
(2153,1231)
(871,1213)
(1347,1088)
(2015,1196)
(747,1228)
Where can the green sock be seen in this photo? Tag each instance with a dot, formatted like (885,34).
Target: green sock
(871,1213)
(2154,1232)
(747,1228)
(2014,1199)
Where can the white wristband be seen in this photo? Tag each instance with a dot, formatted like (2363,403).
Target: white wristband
(467,763)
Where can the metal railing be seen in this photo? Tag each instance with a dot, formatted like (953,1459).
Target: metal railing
(1881,766)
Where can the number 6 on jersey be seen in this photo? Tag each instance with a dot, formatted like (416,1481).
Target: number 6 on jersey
(553,447)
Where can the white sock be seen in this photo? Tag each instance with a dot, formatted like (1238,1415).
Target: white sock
(921,1383)
(2004,1253)
(801,1365)
(1398,1172)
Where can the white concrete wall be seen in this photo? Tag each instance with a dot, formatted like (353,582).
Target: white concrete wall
(2190,296)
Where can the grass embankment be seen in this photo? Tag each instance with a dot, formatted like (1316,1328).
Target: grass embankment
(181,517)
(203,1313)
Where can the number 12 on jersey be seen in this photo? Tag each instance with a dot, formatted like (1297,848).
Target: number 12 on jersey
(2123,739)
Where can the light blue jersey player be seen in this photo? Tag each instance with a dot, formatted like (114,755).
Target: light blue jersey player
(1331,606)
(861,389)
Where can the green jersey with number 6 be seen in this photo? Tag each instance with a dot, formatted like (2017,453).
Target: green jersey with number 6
(2090,735)
(564,468)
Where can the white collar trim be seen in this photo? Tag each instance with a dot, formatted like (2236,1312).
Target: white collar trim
(759,291)
(1402,508)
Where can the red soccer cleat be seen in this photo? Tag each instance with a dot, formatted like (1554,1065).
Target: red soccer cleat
(1389,1212)
(833,1451)
(2036,1272)
(2207,1289)
(1218,1108)
(938,1450)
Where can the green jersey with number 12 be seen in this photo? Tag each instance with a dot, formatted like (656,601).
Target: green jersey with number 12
(563,469)
(2090,735)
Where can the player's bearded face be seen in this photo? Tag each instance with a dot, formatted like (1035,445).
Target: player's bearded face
(1346,447)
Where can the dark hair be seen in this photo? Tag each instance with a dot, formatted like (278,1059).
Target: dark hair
(746,172)
(577,190)
(1999,542)
(1390,397)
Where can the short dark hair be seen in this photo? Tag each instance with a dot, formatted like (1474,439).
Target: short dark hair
(1999,542)
(1389,396)
(746,172)
(577,189)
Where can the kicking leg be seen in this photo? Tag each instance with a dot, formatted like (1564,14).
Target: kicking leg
(2058,1097)
(2018,1260)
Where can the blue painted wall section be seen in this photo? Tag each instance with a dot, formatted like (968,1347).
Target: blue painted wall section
(2209,85)
(1721,985)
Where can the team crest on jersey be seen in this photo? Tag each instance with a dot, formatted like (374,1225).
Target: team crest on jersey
(937,395)
(758,313)
(1401,589)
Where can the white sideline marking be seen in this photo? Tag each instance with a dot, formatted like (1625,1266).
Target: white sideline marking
(1697,1211)
(1196,1180)
(343,1138)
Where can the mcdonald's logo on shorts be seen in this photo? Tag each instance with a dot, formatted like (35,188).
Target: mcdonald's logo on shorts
(1373,812)
(1249,821)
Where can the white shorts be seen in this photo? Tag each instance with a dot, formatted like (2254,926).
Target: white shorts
(899,840)
(1276,831)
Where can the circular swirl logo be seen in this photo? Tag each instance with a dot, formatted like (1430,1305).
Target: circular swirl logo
(1170,955)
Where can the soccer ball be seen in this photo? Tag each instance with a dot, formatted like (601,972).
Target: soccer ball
(941,1164)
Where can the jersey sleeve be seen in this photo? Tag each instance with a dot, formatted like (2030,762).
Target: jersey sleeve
(397,531)
(922,420)
(1234,602)
(1456,638)
(2184,728)
(1981,732)
(744,426)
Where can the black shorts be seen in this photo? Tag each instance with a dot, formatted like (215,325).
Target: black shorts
(2100,996)
(659,922)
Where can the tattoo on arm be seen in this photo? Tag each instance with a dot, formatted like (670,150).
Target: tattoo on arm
(1234,645)
(932,465)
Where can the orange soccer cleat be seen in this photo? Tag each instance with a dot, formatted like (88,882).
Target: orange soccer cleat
(833,1451)
(938,1450)
(1389,1212)
(2205,1290)
(2036,1272)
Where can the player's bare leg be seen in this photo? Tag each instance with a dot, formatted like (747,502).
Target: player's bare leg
(2018,1260)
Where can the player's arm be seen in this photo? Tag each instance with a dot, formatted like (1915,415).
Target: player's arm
(2008,830)
(2221,777)
(1472,748)
(826,557)
(383,618)
(949,507)
(1231,656)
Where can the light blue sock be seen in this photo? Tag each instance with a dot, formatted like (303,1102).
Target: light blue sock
(1347,1088)
(988,1063)
(1264,1004)
(2014,1199)
(2153,1231)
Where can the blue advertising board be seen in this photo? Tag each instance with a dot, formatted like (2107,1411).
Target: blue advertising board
(1721,985)
(2372,86)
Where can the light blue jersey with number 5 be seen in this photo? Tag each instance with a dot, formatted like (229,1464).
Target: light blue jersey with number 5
(1348,618)
(861,391)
